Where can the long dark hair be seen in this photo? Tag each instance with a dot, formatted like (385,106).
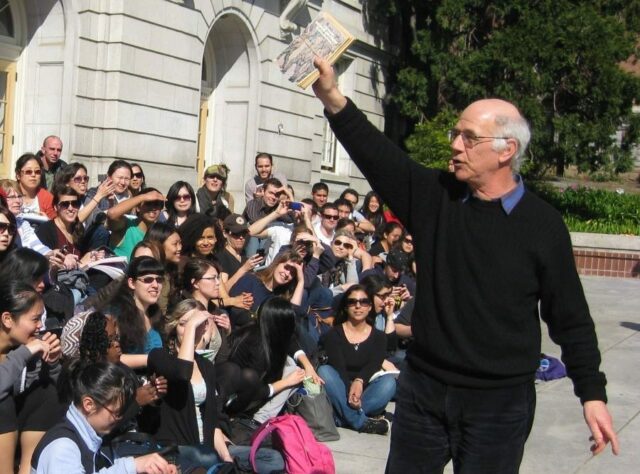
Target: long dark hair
(341,312)
(376,218)
(195,269)
(12,223)
(64,175)
(77,229)
(94,341)
(24,159)
(191,230)
(276,324)
(172,195)
(25,265)
(119,300)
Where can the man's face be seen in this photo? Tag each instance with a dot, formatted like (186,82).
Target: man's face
(352,198)
(51,150)
(271,196)
(330,219)
(473,160)
(343,211)
(320,197)
(263,167)
(392,274)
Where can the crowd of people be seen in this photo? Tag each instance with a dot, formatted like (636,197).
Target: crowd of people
(179,316)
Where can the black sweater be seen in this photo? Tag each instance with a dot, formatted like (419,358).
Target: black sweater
(177,418)
(481,273)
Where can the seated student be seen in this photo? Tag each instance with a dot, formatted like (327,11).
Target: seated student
(8,230)
(391,234)
(266,351)
(36,200)
(232,257)
(254,187)
(125,232)
(325,228)
(320,194)
(30,405)
(138,181)
(394,269)
(355,352)
(101,394)
(134,301)
(348,262)
(383,306)
(212,193)
(372,210)
(166,236)
(188,415)
(181,203)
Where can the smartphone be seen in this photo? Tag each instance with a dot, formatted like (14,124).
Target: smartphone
(295,206)
(261,252)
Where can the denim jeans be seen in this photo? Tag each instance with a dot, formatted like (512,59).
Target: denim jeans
(267,460)
(482,430)
(374,399)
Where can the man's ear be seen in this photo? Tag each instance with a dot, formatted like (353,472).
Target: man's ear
(508,153)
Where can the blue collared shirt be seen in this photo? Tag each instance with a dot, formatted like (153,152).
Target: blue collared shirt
(509,200)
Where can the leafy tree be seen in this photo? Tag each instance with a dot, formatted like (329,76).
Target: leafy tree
(558,60)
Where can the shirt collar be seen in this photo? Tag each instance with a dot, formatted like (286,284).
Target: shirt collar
(509,200)
(85,430)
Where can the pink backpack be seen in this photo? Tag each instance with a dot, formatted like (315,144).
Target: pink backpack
(292,437)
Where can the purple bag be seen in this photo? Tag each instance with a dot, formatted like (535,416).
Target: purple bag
(550,368)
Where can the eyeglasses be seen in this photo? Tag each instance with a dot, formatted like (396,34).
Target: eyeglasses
(147,280)
(31,172)
(214,176)
(213,278)
(383,296)
(139,175)
(114,414)
(340,243)
(183,197)
(153,205)
(75,203)
(80,179)
(331,217)
(408,241)
(8,228)
(17,197)
(469,140)
(113,339)
(358,301)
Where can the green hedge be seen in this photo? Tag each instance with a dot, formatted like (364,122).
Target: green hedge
(593,210)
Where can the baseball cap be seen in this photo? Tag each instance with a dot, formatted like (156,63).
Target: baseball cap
(221,170)
(235,224)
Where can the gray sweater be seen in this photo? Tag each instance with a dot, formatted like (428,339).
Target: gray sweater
(11,369)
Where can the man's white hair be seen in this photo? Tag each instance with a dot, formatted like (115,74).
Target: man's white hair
(516,128)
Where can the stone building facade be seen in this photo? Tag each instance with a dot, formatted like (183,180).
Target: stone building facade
(176,86)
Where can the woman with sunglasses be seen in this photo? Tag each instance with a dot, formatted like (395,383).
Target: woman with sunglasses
(346,261)
(8,230)
(127,232)
(137,182)
(212,194)
(101,393)
(355,352)
(65,232)
(31,407)
(181,203)
(75,176)
(134,301)
(36,200)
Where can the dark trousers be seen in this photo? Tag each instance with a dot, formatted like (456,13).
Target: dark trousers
(481,430)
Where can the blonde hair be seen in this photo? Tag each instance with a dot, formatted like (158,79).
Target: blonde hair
(172,320)
(7,184)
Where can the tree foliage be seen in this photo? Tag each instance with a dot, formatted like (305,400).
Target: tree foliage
(558,60)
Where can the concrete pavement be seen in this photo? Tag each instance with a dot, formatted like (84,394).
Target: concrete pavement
(558,443)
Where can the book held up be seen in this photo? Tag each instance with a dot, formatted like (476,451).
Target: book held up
(324,37)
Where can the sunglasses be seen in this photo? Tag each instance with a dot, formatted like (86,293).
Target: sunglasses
(139,175)
(6,227)
(383,296)
(408,241)
(81,179)
(214,176)
(153,205)
(358,301)
(147,280)
(183,197)
(340,243)
(75,203)
(241,235)
(330,217)
(31,172)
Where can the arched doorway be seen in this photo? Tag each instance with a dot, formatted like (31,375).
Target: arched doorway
(228,112)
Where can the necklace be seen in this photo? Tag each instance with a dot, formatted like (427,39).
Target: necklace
(349,331)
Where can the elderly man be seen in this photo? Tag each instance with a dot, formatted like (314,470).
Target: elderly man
(51,162)
(493,259)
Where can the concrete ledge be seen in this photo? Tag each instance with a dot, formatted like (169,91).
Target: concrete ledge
(607,255)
